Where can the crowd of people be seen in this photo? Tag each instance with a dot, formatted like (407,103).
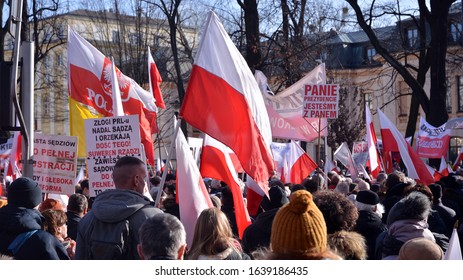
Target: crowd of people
(389,217)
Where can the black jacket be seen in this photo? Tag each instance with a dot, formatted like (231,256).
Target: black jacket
(73,221)
(370,226)
(258,234)
(40,246)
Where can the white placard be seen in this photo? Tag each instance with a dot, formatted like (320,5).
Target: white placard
(107,140)
(321,101)
(55,162)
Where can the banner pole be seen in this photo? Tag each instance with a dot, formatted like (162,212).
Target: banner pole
(169,155)
(318,152)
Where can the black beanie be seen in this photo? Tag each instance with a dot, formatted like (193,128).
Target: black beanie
(277,199)
(367,197)
(24,192)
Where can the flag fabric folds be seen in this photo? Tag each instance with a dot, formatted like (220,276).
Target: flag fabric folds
(299,163)
(374,160)
(216,163)
(192,194)
(90,93)
(284,109)
(155,81)
(416,168)
(454,250)
(224,101)
(344,155)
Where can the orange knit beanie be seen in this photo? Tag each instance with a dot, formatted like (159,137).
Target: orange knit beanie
(299,227)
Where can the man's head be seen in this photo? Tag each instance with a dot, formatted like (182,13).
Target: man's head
(129,173)
(24,192)
(78,204)
(162,237)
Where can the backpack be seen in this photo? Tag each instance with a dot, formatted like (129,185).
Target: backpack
(110,241)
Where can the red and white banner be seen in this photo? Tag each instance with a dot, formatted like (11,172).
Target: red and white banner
(5,151)
(416,168)
(321,101)
(192,194)
(223,100)
(284,109)
(216,163)
(55,163)
(432,142)
(13,166)
(374,161)
(155,81)
(360,153)
(90,93)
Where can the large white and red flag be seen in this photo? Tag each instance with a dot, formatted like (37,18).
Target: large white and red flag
(344,155)
(118,109)
(454,249)
(216,163)
(192,194)
(416,168)
(330,166)
(374,160)
(299,163)
(224,101)
(284,109)
(90,93)
(432,142)
(155,81)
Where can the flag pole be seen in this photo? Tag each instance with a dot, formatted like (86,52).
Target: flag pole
(169,155)
(318,152)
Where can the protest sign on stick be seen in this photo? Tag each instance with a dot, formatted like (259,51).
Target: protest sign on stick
(108,139)
(55,163)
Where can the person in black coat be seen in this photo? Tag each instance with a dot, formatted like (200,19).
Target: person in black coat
(257,235)
(369,223)
(21,234)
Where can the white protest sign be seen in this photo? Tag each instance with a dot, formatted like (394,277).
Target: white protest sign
(55,162)
(5,150)
(107,140)
(321,101)
(360,153)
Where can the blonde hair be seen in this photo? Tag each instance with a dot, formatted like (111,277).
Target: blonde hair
(212,235)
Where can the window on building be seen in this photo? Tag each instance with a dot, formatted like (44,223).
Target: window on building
(135,38)
(369,100)
(47,35)
(412,36)
(59,60)
(46,105)
(455,148)
(448,101)
(460,93)
(455,30)
(116,36)
(60,32)
(371,52)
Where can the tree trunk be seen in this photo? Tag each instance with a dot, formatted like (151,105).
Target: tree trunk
(251,21)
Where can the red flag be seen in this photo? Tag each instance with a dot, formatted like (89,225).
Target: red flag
(192,194)
(299,163)
(90,93)
(224,101)
(216,163)
(155,81)
(416,168)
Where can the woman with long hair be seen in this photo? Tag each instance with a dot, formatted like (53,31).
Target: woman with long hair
(213,238)
(55,224)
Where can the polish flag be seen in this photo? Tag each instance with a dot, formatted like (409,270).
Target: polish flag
(192,194)
(454,250)
(344,155)
(117,101)
(155,81)
(458,160)
(224,101)
(159,165)
(374,162)
(329,166)
(90,93)
(299,163)
(216,163)
(13,167)
(416,168)
(444,168)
